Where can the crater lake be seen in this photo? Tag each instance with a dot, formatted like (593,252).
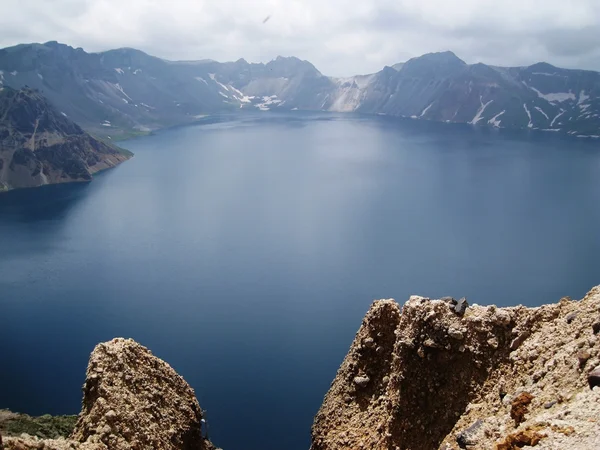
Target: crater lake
(245,250)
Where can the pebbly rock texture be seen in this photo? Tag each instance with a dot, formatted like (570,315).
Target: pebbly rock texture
(132,400)
(491,378)
(356,406)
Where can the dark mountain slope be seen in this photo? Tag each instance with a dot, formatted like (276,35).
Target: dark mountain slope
(39,145)
(441,87)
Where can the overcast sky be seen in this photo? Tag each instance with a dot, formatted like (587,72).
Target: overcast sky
(341,37)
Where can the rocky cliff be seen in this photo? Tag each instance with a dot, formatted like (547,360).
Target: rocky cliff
(39,145)
(131,400)
(439,374)
(441,87)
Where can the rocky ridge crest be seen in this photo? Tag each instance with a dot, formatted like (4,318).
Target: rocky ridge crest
(428,376)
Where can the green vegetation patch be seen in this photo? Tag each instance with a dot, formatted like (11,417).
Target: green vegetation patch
(128,134)
(124,151)
(46,426)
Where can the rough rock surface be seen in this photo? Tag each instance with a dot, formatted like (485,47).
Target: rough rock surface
(132,400)
(39,145)
(493,378)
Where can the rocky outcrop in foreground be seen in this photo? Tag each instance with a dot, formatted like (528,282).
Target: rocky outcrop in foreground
(436,374)
(131,400)
(433,374)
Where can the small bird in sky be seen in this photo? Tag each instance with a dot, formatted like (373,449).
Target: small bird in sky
(266,19)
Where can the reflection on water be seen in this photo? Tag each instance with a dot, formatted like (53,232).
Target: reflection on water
(246,250)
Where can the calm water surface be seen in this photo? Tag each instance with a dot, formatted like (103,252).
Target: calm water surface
(245,253)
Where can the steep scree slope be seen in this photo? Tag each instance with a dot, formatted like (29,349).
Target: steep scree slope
(38,145)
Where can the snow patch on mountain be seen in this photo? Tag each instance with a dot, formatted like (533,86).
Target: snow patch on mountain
(267,101)
(582,97)
(549,74)
(480,111)
(494,121)
(557,116)
(236,91)
(553,96)
(530,124)
(542,111)
(240,96)
(118,70)
(202,80)
(118,87)
(214,78)
(426,109)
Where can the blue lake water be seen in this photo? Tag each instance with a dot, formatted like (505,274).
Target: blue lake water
(246,251)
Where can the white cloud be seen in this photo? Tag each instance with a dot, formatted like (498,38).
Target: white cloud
(341,37)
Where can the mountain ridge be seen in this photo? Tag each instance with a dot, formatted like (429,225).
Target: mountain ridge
(126,91)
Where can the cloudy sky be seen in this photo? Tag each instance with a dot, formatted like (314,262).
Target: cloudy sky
(341,37)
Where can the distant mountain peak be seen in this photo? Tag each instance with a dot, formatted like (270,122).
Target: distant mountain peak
(287,66)
(286,58)
(433,64)
(541,66)
(51,43)
(125,51)
(441,57)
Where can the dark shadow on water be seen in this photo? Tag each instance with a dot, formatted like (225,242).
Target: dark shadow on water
(44,203)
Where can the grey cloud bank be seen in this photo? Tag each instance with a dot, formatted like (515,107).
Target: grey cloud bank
(340,37)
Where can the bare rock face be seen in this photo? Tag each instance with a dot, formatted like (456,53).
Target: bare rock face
(482,378)
(39,145)
(132,400)
(356,407)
